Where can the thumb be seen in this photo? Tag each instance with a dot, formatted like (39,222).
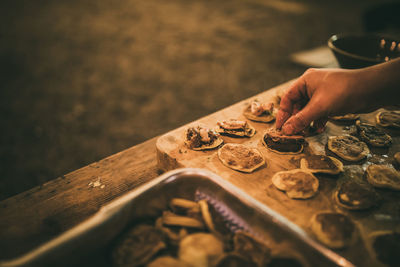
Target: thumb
(300,120)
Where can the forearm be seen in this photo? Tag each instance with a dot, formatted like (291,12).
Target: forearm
(379,85)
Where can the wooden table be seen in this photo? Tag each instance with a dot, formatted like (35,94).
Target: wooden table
(43,212)
(39,214)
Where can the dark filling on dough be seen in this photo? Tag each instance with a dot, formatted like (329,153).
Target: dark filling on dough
(390,117)
(320,162)
(194,139)
(387,248)
(247,130)
(353,194)
(240,156)
(348,145)
(235,130)
(373,134)
(337,226)
(371,131)
(284,143)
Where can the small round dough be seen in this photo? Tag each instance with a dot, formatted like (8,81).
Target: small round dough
(333,229)
(321,164)
(355,196)
(373,135)
(388,118)
(383,176)
(263,118)
(298,183)
(348,147)
(240,157)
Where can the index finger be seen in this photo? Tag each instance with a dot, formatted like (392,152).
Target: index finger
(295,94)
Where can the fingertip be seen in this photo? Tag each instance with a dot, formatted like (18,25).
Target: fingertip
(288,129)
(296,123)
(281,118)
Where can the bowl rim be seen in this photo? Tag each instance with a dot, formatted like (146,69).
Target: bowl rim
(341,51)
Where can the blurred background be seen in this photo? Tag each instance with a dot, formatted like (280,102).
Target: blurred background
(82,80)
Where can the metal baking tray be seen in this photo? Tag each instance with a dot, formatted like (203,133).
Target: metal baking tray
(89,242)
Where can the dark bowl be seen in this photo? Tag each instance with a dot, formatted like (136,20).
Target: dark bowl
(359,51)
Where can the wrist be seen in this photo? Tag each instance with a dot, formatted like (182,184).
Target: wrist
(378,86)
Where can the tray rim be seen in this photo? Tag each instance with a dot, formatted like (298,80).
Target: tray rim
(114,206)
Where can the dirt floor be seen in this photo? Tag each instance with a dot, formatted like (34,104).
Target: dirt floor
(81,80)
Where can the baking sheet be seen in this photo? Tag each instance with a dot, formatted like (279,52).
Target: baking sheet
(89,242)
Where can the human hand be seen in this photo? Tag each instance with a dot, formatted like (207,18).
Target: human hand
(318,94)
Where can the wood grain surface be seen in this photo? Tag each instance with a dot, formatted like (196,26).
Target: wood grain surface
(37,215)
(172,153)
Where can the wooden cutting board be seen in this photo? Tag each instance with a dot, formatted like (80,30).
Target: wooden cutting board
(172,153)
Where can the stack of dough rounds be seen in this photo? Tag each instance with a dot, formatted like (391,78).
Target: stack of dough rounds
(235,128)
(264,117)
